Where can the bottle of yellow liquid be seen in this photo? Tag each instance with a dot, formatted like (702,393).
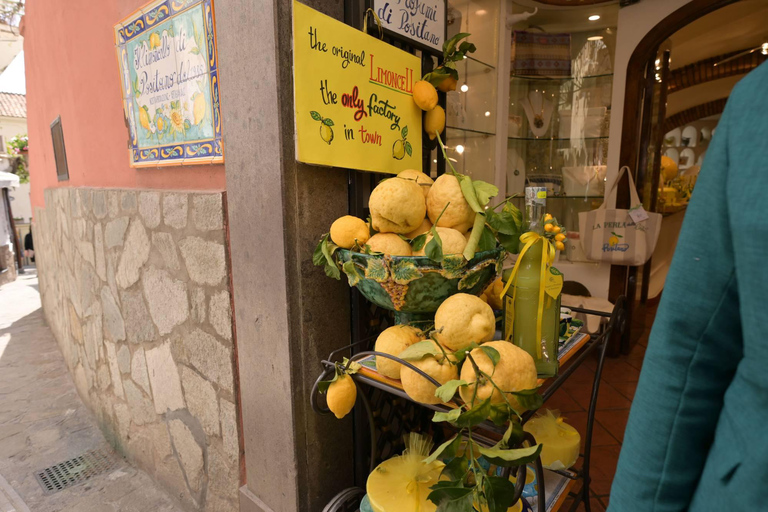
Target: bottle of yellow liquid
(521,303)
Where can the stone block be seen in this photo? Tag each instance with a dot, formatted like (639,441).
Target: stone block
(123,418)
(190,453)
(85,248)
(115,231)
(207,211)
(164,376)
(99,204)
(114,370)
(175,210)
(139,370)
(113,318)
(134,256)
(210,357)
(201,400)
(142,410)
(149,208)
(128,201)
(113,203)
(85,200)
(124,359)
(168,472)
(167,298)
(138,323)
(197,296)
(102,377)
(220,313)
(229,430)
(223,476)
(165,245)
(204,260)
(93,336)
(98,246)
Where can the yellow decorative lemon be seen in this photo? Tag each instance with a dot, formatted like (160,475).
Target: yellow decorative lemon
(397,206)
(423,228)
(341,396)
(389,243)
(459,215)
(438,367)
(326,133)
(424,181)
(154,40)
(434,121)
(144,117)
(453,242)
(424,95)
(515,371)
(392,341)
(348,229)
(398,149)
(198,108)
(462,319)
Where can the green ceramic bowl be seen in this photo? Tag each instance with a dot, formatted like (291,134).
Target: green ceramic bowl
(416,284)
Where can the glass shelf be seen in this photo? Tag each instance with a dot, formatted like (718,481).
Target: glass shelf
(558,78)
(481,132)
(555,139)
(574,197)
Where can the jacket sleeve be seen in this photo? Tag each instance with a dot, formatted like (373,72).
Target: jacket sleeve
(694,348)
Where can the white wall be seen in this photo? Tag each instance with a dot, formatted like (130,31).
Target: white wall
(20,203)
(10,127)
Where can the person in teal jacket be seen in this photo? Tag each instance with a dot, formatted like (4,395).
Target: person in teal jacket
(697,436)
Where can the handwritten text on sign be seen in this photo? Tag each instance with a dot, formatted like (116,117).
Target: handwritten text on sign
(354,107)
(422,21)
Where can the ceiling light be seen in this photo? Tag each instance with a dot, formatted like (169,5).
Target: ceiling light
(487,114)
(764,50)
(594,38)
(459,149)
(480,12)
(464,88)
(594,17)
(435,160)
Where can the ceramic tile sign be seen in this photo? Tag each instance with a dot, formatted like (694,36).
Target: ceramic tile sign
(166,53)
(421,21)
(352,92)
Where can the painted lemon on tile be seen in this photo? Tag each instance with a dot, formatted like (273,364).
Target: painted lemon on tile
(154,41)
(198,107)
(144,117)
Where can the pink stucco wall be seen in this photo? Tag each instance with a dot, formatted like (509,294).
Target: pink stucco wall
(72,71)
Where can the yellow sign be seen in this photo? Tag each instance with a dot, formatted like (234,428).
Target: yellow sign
(354,107)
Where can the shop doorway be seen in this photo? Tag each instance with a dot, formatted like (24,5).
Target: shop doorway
(678,82)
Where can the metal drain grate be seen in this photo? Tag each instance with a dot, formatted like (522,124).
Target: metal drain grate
(74,471)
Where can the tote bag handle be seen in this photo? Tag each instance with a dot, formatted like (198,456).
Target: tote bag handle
(610,196)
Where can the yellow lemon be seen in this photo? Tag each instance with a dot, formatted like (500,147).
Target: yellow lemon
(424,95)
(493,292)
(424,181)
(560,237)
(447,85)
(459,215)
(423,228)
(434,121)
(198,108)
(159,123)
(438,367)
(341,396)
(398,150)
(515,371)
(547,217)
(613,240)
(144,117)
(560,246)
(397,206)
(348,229)
(462,319)
(453,242)
(668,167)
(326,133)
(389,243)
(154,41)
(393,341)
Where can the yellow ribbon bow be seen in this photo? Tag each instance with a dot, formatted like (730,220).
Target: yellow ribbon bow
(529,239)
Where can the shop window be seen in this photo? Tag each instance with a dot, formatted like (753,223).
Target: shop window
(59,153)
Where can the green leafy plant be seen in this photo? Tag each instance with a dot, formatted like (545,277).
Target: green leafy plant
(17,148)
(453,51)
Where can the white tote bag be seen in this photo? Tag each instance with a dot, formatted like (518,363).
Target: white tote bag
(610,235)
(584,181)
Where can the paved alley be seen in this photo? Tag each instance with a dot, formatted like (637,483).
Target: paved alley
(43,421)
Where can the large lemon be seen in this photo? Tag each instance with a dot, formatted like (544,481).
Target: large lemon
(424,95)
(448,84)
(515,371)
(458,215)
(198,108)
(462,319)
(493,292)
(453,242)
(397,206)
(423,228)
(389,243)
(434,121)
(347,230)
(424,181)
(440,368)
(394,340)
(668,167)
(341,396)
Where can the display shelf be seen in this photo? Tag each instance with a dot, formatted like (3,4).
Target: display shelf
(558,78)
(553,139)
(573,197)
(471,130)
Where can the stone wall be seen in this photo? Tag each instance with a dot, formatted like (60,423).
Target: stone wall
(135,287)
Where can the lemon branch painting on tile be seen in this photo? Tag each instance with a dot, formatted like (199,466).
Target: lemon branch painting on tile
(167,58)
(353,97)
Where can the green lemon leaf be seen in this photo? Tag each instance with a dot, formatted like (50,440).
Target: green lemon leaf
(328,248)
(467,47)
(316,116)
(513,436)
(403,272)
(499,414)
(487,241)
(450,46)
(462,353)
(436,77)
(377,270)
(450,416)
(454,471)
(445,449)
(505,222)
(434,249)
(484,191)
(318,258)
(499,493)
(327,122)
(404,132)
(529,398)
(448,390)
(418,242)
(492,354)
(419,351)
(322,386)
(353,274)
(509,242)
(511,457)
(452,499)
(408,148)
(475,415)
(465,182)
(515,212)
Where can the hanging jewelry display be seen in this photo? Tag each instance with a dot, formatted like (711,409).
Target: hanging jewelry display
(538,110)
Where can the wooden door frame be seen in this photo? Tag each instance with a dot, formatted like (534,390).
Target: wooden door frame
(645,50)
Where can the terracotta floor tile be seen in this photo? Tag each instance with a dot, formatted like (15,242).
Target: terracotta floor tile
(604,501)
(563,402)
(627,389)
(582,374)
(596,505)
(603,467)
(600,436)
(618,370)
(607,398)
(615,422)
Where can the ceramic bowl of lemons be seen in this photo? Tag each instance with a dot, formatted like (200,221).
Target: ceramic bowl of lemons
(413,286)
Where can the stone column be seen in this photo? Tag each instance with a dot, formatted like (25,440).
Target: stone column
(289,315)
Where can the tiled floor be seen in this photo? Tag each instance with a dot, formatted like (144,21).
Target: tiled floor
(617,389)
